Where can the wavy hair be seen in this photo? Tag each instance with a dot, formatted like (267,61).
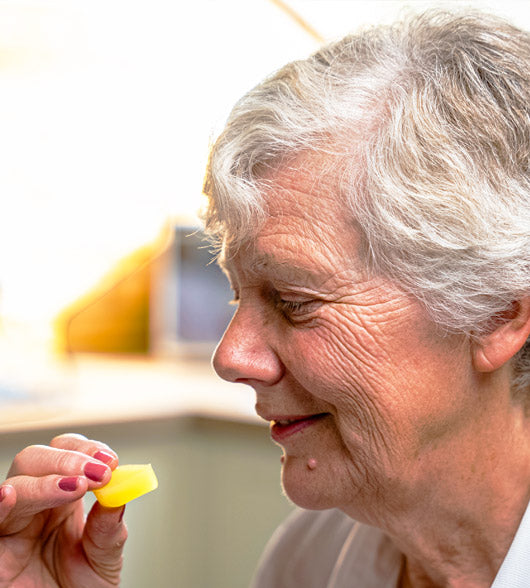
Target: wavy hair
(427,122)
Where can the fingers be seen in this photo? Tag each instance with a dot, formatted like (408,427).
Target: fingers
(35,494)
(31,496)
(103,540)
(68,455)
(43,477)
(75,442)
(40,460)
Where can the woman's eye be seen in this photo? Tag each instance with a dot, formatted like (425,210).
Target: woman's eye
(294,309)
(291,306)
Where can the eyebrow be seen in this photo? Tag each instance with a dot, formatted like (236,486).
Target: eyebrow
(267,265)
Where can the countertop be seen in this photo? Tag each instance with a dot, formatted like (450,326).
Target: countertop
(97,389)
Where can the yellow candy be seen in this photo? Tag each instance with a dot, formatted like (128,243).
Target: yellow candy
(127,483)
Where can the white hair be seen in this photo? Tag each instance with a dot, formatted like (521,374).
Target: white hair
(428,121)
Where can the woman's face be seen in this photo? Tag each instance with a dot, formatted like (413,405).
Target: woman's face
(364,394)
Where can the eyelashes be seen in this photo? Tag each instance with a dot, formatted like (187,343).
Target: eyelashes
(292,309)
(298,311)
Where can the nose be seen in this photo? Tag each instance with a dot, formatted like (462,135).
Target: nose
(244,354)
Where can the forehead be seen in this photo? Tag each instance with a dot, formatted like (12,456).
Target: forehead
(308,228)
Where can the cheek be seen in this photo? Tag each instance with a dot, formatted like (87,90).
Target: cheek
(342,360)
(394,387)
(347,367)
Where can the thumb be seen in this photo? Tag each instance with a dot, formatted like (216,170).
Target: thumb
(103,539)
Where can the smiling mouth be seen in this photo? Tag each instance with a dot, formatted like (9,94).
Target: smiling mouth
(283,428)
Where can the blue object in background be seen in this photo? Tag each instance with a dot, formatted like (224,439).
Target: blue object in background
(203,292)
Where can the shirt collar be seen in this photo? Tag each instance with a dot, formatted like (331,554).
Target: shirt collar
(515,569)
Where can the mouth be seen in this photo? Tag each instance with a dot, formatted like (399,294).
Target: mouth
(281,428)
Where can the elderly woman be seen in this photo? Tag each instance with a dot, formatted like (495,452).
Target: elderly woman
(372,206)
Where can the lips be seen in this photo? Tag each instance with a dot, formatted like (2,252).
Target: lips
(281,428)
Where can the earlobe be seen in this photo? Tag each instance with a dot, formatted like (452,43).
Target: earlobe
(493,350)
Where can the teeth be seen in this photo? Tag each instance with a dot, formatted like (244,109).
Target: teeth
(283,423)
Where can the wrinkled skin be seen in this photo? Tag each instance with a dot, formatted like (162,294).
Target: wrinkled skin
(314,334)
(44,538)
(412,438)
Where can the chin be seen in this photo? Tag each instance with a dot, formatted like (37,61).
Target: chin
(307,488)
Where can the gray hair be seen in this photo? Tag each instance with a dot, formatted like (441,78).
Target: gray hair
(428,121)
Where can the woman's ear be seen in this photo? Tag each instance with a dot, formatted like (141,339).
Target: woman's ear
(493,350)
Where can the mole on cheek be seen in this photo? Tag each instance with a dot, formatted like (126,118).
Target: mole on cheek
(312,463)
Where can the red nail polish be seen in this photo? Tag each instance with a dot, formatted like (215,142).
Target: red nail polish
(95,471)
(104,457)
(68,484)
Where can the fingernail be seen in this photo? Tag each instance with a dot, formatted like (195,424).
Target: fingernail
(95,471)
(104,457)
(2,493)
(121,515)
(68,484)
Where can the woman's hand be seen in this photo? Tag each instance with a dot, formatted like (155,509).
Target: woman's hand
(44,538)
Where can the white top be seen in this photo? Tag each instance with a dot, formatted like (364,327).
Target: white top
(327,549)
(515,569)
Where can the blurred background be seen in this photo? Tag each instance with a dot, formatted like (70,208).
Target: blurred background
(109,305)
